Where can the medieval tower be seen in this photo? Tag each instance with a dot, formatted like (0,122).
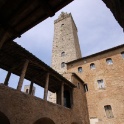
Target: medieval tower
(65,44)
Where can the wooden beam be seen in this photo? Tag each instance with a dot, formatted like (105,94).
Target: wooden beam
(20,83)
(62,94)
(7,78)
(46,87)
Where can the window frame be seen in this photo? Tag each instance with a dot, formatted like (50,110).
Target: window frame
(92,66)
(108,111)
(62,64)
(101,83)
(122,54)
(62,54)
(109,61)
(80,70)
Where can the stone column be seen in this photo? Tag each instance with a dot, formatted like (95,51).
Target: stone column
(20,83)
(62,94)
(46,87)
(7,78)
(31,88)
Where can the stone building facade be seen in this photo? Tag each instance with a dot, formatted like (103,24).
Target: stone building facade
(102,73)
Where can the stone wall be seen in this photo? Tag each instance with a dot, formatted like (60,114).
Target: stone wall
(22,108)
(113,77)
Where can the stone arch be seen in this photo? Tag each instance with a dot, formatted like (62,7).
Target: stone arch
(3,119)
(44,121)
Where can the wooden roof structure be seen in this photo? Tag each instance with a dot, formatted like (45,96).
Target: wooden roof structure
(117,8)
(18,16)
(12,58)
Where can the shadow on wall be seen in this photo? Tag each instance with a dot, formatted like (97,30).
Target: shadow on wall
(3,119)
(44,121)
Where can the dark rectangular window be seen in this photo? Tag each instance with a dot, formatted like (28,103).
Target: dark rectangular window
(108,111)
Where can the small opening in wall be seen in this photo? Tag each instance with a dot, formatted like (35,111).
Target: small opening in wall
(108,111)
(122,53)
(85,87)
(62,64)
(62,25)
(109,61)
(92,66)
(79,69)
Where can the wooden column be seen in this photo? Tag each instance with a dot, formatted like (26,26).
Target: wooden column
(46,87)
(7,78)
(31,88)
(62,94)
(20,83)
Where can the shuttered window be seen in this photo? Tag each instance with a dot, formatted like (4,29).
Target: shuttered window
(108,111)
(101,84)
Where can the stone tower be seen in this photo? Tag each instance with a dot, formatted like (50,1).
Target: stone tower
(27,88)
(65,44)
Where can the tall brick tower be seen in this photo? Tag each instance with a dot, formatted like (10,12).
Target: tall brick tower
(65,44)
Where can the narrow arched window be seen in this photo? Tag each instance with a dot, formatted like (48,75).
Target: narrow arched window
(85,87)
(108,111)
(62,25)
(79,69)
(62,64)
(26,90)
(109,61)
(122,53)
(62,54)
(92,66)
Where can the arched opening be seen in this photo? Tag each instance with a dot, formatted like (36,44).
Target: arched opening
(44,121)
(3,119)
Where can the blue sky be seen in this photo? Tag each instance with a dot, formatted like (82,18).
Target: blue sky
(97,30)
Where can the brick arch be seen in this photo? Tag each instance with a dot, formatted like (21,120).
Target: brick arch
(4,119)
(44,121)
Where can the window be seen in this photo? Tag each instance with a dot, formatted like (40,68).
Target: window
(108,111)
(109,61)
(122,54)
(100,84)
(78,85)
(92,66)
(79,69)
(62,54)
(62,25)
(85,88)
(26,90)
(62,64)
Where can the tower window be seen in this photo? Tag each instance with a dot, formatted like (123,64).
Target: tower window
(62,54)
(108,111)
(79,69)
(62,64)
(109,61)
(101,84)
(122,54)
(85,88)
(26,90)
(92,66)
(62,25)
